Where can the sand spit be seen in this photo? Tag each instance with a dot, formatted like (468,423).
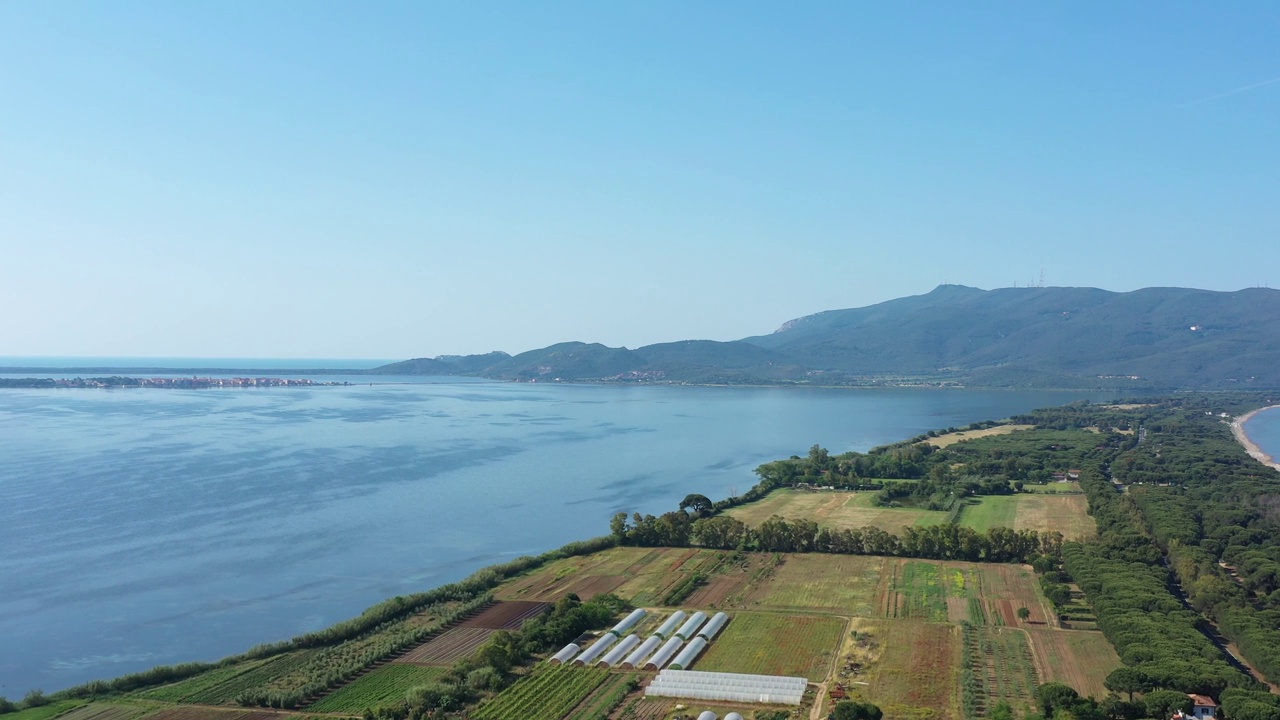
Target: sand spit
(1237,429)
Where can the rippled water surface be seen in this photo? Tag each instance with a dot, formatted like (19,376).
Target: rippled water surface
(144,527)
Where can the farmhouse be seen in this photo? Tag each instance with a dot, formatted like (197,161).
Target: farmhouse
(1202,708)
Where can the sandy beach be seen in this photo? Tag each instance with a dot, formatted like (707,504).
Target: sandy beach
(1237,429)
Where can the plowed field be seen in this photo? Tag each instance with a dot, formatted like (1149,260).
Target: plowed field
(505,615)
(104,711)
(1079,658)
(448,647)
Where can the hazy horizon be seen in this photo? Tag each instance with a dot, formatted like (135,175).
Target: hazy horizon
(407,180)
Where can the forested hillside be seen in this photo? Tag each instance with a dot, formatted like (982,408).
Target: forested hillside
(1155,338)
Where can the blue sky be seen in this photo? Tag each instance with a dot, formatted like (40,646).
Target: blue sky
(328,179)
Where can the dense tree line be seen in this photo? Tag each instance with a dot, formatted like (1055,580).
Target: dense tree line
(1209,508)
(945,541)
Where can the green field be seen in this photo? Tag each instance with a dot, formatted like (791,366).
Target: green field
(835,509)
(1040,510)
(1054,488)
(44,712)
(546,694)
(844,584)
(775,644)
(387,683)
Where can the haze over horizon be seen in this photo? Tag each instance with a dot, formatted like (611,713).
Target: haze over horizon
(399,180)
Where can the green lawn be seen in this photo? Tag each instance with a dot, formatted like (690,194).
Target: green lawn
(835,509)
(984,513)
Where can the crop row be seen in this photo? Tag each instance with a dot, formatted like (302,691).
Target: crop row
(547,694)
(223,684)
(389,682)
(329,667)
(604,699)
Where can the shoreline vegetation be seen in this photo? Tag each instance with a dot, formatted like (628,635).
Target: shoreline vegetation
(1240,430)
(1179,560)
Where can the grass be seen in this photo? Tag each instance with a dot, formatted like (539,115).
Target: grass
(918,589)
(775,644)
(1079,658)
(1042,512)
(44,712)
(584,575)
(1002,666)
(1044,508)
(1053,488)
(910,668)
(990,511)
(960,436)
(387,683)
(835,510)
(845,584)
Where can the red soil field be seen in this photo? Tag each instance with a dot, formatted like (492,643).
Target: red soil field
(448,647)
(98,711)
(505,615)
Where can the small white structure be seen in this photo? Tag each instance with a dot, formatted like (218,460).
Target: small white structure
(733,716)
(666,628)
(708,715)
(563,656)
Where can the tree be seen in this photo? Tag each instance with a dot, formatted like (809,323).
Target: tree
(698,504)
(1127,680)
(35,698)
(7,705)
(618,526)
(1023,614)
(853,710)
(1162,704)
(1055,696)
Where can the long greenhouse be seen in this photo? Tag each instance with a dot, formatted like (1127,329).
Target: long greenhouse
(596,650)
(619,651)
(732,687)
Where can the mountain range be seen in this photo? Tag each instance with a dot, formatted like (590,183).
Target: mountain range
(1065,337)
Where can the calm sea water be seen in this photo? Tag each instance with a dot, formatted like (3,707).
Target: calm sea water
(144,527)
(1264,430)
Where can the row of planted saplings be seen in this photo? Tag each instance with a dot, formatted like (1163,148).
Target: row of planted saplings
(654,653)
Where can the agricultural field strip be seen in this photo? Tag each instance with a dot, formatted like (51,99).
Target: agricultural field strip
(447,647)
(776,644)
(297,670)
(547,694)
(505,615)
(107,711)
(603,699)
(389,682)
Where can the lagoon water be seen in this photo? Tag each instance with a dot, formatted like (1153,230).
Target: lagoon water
(145,527)
(1264,430)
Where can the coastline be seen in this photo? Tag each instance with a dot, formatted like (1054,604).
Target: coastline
(1257,453)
